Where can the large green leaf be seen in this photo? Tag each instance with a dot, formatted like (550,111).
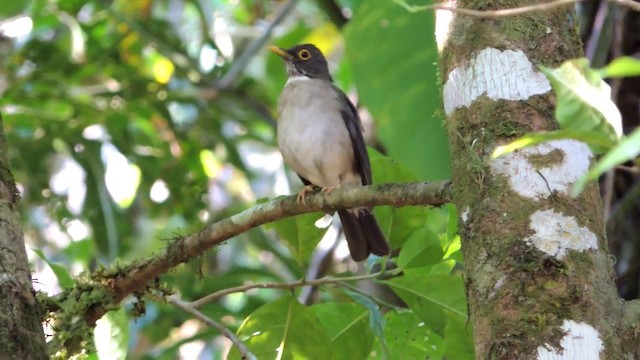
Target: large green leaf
(347,325)
(62,274)
(284,329)
(111,335)
(458,341)
(584,99)
(300,234)
(398,223)
(407,337)
(393,55)
(421,249)
(431,296)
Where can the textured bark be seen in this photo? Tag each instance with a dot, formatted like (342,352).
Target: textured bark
(524,302)
(21,334)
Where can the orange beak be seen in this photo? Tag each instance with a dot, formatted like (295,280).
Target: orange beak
(280,52)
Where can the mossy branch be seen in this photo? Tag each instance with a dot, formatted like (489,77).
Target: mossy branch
(122,280)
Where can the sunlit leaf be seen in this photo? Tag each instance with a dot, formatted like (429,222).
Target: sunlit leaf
(584,99)
(623,66)
(111,335)
(284,329)
(210,164)
(62,273)
(627,149)
(598,141)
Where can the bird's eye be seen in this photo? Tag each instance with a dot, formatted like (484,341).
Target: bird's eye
(304,54)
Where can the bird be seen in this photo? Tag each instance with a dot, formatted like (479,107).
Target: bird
(319,134)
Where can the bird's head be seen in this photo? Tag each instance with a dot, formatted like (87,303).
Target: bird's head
(304,60)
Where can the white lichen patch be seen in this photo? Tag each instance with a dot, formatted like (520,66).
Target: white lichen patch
(465,215)
(581,341)
(507,75)
(536,181)
(555,234)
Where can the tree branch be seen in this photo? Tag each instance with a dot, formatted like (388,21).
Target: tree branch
(485,14)
(275,285)
(242,348)
(134,278)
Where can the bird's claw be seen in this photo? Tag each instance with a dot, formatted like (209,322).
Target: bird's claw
(301,194)
(328,189)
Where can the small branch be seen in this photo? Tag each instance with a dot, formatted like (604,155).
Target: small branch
(135,278)
(486,14)
(631,4)
(241,63)
(242,348)
(290,285)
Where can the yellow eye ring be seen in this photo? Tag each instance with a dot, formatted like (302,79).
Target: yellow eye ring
(304,54)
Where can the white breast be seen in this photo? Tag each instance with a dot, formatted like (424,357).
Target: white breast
(312,135)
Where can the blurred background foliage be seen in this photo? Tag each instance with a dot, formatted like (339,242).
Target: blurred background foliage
(132,122)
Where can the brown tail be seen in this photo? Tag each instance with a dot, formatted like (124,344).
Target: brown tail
(363,234)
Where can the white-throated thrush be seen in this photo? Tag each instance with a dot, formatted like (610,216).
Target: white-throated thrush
(320,137)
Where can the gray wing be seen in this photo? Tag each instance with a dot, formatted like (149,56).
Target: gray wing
(354,127)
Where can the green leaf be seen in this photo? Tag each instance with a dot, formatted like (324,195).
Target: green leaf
(12,8)
(300,234)
(396,78)
(376,319)
(407,337)
(284,329)
(621,67)
(627,149)
(431,296)
(421,249)
(62,273)
(584,99)
(111,335)
(347,324)
(598,141)
(398,223)
(458,340)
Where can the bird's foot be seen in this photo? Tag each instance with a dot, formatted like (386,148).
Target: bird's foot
(302,193)
(329,189)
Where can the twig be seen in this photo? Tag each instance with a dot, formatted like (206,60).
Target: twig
(631,4)
(289,285)
(242,348)
(239,64)
(485,14)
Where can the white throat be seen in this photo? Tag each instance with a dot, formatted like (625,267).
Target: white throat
(297,78)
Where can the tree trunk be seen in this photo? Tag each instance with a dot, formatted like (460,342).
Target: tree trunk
(21,334)
(538,273)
